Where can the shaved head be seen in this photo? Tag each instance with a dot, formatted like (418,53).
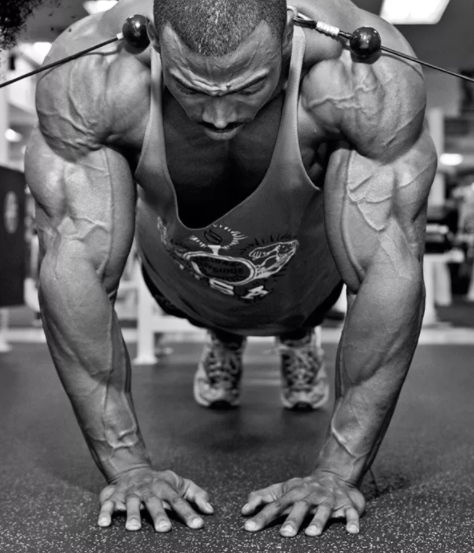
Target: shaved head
(216,28)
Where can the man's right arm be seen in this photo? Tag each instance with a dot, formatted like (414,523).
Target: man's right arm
(85,197)
(85,218)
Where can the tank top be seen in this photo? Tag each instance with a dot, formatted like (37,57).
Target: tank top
(258,269)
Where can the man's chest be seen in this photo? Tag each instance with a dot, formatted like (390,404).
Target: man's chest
(195,161)
(212,177)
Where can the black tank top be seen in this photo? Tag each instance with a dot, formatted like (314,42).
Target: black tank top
(258,269)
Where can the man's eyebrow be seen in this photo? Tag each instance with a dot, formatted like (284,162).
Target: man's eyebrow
(253,82)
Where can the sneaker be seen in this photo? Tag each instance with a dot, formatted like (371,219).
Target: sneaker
(304,380)
(217,379)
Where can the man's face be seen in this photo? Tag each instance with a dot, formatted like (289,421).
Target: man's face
(222,94)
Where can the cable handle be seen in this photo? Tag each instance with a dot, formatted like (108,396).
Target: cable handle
(365,42)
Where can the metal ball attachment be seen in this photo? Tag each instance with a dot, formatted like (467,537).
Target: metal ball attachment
(134,31)
(365,42)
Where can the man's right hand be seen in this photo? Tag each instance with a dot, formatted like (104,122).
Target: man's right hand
(154,491)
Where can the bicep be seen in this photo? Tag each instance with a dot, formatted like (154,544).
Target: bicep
(85,208)
(375,211)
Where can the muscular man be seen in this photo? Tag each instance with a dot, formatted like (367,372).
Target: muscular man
(260,164)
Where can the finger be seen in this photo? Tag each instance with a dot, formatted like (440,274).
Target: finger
(182,508)
(258,498)
(106,511)
(118,497)
(157,512)
(106,494)
(352,520)
(319,521)
(120,506)
(269,513)
(252,505)
(134,521)
(359,502)
(295,519)
(198,496)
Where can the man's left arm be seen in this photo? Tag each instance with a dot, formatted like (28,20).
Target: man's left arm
(376,224)
(376,190)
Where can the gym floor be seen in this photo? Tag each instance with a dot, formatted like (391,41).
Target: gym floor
(420,493)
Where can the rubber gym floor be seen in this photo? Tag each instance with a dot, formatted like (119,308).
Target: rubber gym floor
(420,493)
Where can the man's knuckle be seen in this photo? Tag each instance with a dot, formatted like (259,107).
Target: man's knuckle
(162,487)
(304,502)
(295,494)
(294,481)
(279,504)
(327,504)
(169,475)
(106,493)
(146,495)
(360,506)
(314,496)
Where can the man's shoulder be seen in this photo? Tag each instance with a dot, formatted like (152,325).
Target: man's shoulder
(84,101)
(340,84)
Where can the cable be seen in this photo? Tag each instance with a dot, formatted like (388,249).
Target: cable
(63,60)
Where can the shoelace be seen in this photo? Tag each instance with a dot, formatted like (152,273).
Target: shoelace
(301,364)
(222,362)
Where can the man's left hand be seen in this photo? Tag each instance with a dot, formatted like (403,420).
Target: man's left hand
(323,494)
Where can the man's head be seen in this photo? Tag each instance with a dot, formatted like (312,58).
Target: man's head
(215,28)
(222,59)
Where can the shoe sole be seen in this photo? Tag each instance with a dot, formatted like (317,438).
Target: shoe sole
(305,405)
(218,405)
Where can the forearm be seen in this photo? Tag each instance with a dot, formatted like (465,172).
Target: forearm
(375,352)
(92,361)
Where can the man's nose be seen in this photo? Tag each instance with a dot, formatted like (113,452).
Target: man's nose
(219,113)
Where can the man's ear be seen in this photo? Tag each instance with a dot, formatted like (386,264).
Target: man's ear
(288,32)
(153,35)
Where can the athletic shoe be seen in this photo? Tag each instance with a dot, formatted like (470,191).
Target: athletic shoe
(217,379)
(304,382)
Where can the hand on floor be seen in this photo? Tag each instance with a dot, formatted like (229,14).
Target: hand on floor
(155,491)
(322,494)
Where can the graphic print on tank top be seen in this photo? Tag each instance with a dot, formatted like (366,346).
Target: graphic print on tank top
(246,274)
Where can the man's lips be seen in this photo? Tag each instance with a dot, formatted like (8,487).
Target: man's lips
(230,127)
